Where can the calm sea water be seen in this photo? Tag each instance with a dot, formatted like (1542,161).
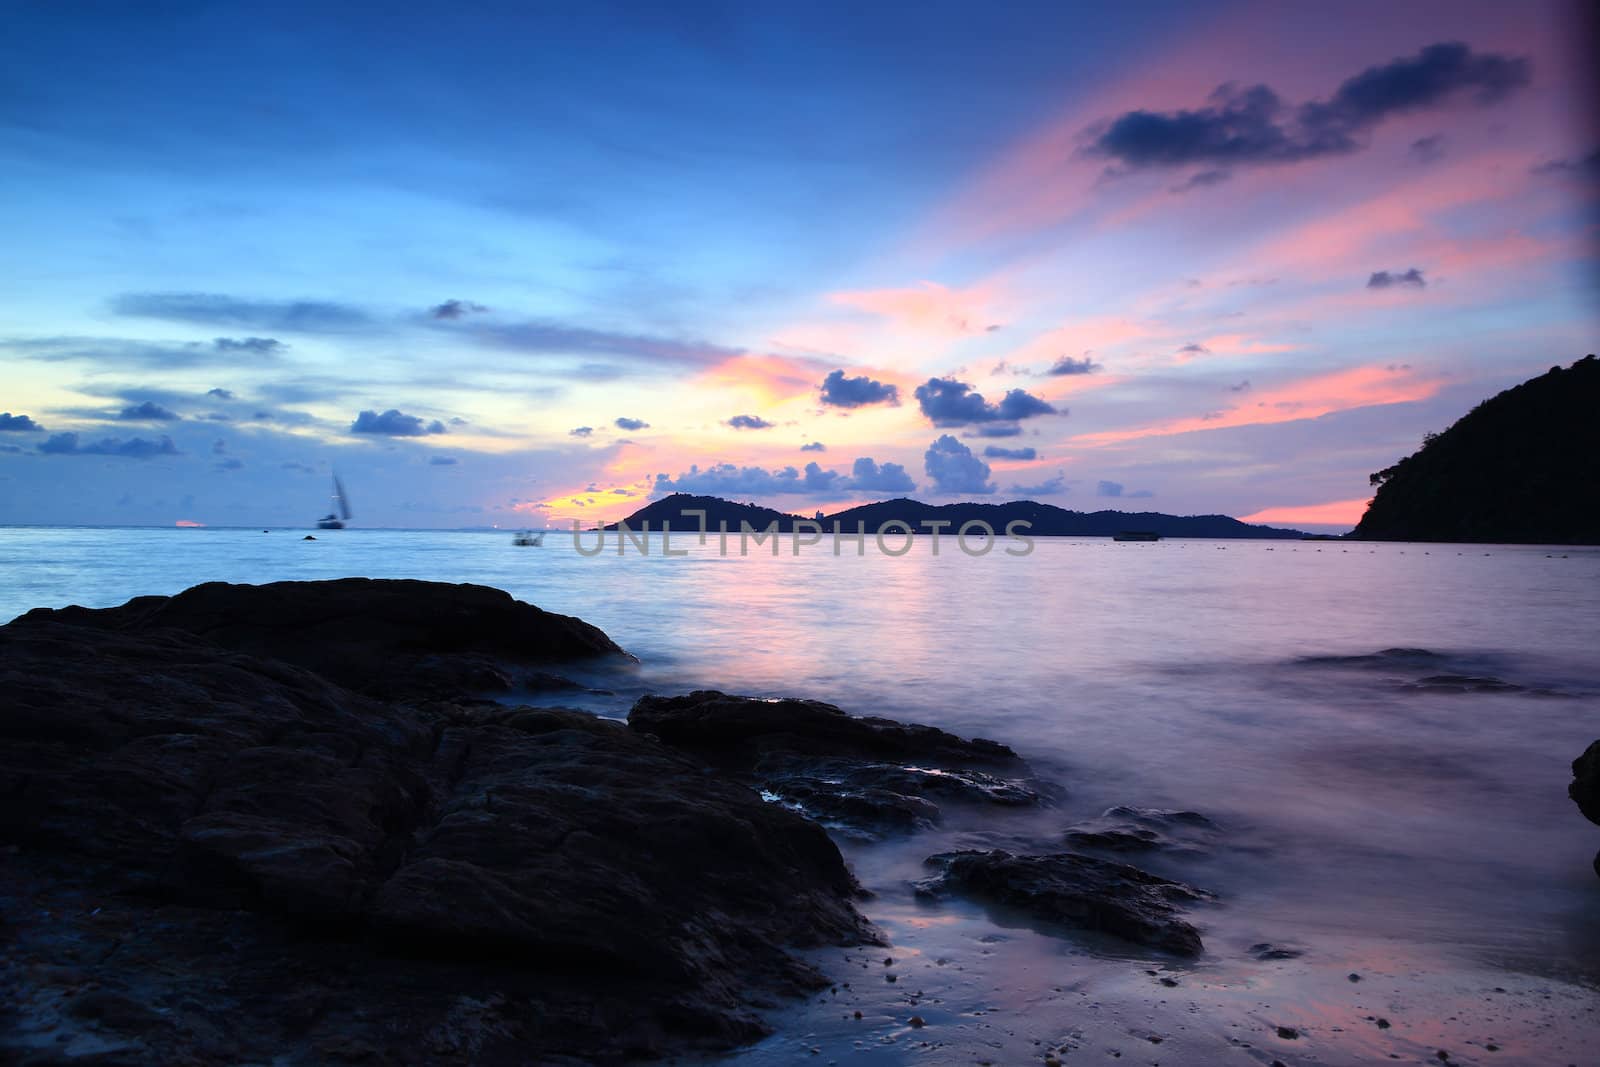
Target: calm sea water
(1368,821)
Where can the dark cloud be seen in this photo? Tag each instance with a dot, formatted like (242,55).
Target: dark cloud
(220,394)
(1116,489)
(626,423)
(947,402)
(215,309)
(1194,349)
(1428,149)
(10,423)
(842,392)
(728,480)
(1382,279)
(1068,365)
(394,423)
(455,309)
(1247,125)
(580,431)
(442,461)
(254,346)
(149,411)
(996,452)
(298,467)
(955,470)
(814,446)
(68,444)
(1586,167)
(230,464)
(557,339)
(1201,180)
(1049,487)
(1242,387)
(218,447)
(749,422)
(1000,429)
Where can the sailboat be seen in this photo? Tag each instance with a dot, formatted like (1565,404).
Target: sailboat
(340,514)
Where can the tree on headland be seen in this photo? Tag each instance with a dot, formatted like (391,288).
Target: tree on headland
(1521,467)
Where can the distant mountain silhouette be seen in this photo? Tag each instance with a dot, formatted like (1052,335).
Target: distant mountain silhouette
(1521,467)
(1046,519)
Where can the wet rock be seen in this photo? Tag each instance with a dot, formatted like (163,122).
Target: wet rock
(1266,952)
(1126,829)
(278,868)
(1074,891)
(1462,683)
(869,776)
(387,638)
(1585,788)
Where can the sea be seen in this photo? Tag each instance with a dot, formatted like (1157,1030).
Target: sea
(1381,733)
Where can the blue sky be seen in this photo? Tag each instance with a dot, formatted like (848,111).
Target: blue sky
(428,246)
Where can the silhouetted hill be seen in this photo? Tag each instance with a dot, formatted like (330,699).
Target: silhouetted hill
(1046,519)
(1521,467)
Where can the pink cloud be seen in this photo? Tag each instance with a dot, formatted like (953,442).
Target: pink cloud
(928,307)
(1308,398)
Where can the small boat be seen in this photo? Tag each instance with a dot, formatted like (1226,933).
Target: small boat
(1137,535)
(335,519)
(528,538)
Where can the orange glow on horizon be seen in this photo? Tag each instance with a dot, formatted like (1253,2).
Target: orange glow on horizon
(1335,513)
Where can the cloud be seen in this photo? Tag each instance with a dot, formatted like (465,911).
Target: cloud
(814,446)
(1193,349)
(947,402)
(255,346)
(230,464)
(1428,149)
(442,461)
(218,447)
(728,480)
(455,309)
(393,423)
(10,423)
(214,309)
(220,394)
(869,477)
(1242,387)
(1068,365)
(558,339)
(749,422)
(1251,125)
(1586,167)
(996,452)
(580,431)
(1116,489)
(842,392)
(68,444)
(1382,279)
(1049,487)
(954,469)
(1000,429)
(1201,180)
(149,411)
(626,423)
(157,355)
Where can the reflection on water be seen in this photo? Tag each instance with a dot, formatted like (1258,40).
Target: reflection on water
(1383,819)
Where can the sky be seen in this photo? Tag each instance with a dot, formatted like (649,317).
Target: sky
(524,265)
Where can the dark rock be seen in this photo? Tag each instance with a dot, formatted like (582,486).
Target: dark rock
(1585,788)
(278,868)
(1074,891)
(387,638)
(1463,683)
(1266,952)
(869,776)
(1126,829)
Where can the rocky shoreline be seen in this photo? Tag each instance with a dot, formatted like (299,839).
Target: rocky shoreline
(283,823)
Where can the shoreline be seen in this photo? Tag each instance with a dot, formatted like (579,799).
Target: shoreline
(1011,986)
